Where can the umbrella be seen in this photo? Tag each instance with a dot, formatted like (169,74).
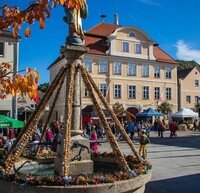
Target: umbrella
(6,122)
(149,113)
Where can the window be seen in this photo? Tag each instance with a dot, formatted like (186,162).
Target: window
(197,99)
(86,92)
(88,64)
(145,92)
(103,66)
(157,71)
(168,73)
(196,83)
(145,70)
(168,93)
(117,91)
(125,46)
(131,92)
(131,34)
(157,93)
(103,89)
(132,70)
(1,49)
(117,68)
(138,48)
(188,99)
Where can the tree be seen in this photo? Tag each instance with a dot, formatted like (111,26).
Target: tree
(20,84)
(39,10)
(165,108)
(197,107)
(43,87)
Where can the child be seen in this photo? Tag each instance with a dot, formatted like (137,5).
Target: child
(94,144)
(144,140)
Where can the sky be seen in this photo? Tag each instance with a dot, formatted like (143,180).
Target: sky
(173,24)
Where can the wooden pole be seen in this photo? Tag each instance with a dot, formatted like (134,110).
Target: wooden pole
(30,127)
(70,76)
(112,114)
(109,134)
(50,114)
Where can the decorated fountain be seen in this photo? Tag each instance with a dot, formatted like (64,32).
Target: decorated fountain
(75,168)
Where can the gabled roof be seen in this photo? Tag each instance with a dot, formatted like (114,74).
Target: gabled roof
(184,72)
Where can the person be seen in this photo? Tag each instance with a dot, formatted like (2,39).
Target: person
(73,19)
(160,127)
(155,125)
(195,125)
(48,137)
(131,129)
(7,145)
(94,144)
(173,127)
(88,128)
(144,140)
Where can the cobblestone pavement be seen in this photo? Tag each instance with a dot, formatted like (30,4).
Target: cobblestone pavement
(176,162)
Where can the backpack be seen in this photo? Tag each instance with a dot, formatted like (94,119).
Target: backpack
(147,140)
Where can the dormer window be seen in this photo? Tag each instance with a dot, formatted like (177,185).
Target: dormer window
(131,34)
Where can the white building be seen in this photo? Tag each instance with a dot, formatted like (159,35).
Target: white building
(9,52)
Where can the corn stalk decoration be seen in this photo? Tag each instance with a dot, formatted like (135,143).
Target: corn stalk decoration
(111,112)
(30,127)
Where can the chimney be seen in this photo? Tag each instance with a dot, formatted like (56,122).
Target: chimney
(102,17)
(116,19)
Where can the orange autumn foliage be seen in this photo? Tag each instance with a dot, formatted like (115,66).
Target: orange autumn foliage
(38,10)
(20,84)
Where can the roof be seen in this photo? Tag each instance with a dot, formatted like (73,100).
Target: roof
(184,72)
(96,40)
(102,29)
(162,56)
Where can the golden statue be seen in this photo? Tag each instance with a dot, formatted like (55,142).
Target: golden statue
(74,19)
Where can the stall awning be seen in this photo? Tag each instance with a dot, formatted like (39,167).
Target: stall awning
(7,122)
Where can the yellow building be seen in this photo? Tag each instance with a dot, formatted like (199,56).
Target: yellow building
(188,87)
(128,66)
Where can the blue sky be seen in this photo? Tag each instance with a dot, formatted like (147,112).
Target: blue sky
(174,24)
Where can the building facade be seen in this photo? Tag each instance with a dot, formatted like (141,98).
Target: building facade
(128,67)
(9,52)
(188,87)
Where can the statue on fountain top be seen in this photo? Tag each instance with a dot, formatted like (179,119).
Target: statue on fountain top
(73,19)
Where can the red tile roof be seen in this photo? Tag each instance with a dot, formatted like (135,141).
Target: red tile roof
(103,29)
(97,45)
(96,41)
(162,56)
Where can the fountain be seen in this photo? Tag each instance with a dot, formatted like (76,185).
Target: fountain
(74,168)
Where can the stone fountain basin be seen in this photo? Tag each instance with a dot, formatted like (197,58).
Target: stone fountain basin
(133,185)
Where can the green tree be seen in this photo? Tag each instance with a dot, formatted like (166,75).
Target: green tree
(197,107)
(165,108)
(43,87)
